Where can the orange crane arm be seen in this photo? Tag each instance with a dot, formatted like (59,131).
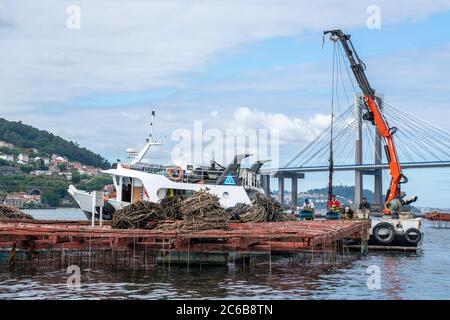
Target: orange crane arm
(394,195)
(394,164)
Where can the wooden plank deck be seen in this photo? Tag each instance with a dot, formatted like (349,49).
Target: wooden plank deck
(36,235)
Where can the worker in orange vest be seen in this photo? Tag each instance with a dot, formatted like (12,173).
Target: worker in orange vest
(334,203)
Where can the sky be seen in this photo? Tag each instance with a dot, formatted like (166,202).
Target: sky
(94,75)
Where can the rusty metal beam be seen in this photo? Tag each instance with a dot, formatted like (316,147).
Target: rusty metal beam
(243,237)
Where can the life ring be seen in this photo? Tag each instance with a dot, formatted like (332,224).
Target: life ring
(413,235)
(175,174)
(382,238)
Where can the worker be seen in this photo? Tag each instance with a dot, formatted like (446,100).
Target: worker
(308,205)
(348,213)
(333,202)
(334,209)
(364,204)
(308,209)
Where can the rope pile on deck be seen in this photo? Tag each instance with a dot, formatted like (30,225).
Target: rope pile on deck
(200,211)
(9,212)
(263,209)
(137,215)
(172,206)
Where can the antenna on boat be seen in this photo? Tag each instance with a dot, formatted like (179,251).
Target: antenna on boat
(151,126)
(139,156)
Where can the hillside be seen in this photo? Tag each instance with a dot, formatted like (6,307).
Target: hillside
(25,136)
(347,192)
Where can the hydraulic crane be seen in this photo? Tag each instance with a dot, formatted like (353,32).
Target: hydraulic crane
(395,198)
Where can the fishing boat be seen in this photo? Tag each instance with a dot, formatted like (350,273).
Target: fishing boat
(142,181)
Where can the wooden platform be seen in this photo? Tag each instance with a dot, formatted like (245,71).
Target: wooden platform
(37,235)
(438,216)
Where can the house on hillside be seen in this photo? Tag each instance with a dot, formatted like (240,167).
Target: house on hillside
(89,171)
(41,173)
(23,158)
(45,160)
(6,144)
(76,165)
(7,157)
(20,199)
(59,160)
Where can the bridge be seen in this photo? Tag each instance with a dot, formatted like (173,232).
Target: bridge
(363,167)
(358,147)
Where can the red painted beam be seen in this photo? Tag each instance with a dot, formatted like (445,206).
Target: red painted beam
(275,236)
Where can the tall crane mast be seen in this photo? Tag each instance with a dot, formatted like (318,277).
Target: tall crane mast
(395,198)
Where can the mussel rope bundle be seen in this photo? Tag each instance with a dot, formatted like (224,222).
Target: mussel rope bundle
(234,213)
(172,207)
(202,211)
(265,209)
(9,212)
(137,215)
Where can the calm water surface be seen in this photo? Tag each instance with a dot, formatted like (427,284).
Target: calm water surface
(403,276)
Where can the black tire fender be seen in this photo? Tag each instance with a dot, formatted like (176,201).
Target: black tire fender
(108,211)
(411,240)
(384,240)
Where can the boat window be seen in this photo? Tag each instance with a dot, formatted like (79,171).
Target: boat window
(138,190)
(170,193)
(137,182)
(126,189)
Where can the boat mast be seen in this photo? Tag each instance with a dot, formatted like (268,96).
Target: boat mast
(149,143)
(330,159)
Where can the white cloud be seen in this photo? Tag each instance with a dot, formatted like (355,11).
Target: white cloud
(139,45)
(214,114)
(295,130)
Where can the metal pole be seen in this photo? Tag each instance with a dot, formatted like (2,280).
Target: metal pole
(93,208)
(101,216)
(281,191)
(151,126)
(358,152)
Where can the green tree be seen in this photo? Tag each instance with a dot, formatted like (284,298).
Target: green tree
(95,183)
(76,177)
(24,136)
(62,167)
(52,199)
(26,168)
(40,164)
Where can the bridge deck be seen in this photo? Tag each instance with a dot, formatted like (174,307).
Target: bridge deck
(350,167)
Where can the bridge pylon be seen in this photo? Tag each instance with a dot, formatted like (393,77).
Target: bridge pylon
(359,173)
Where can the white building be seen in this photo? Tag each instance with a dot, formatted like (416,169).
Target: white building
(7,157)
(41,173)
(23,158)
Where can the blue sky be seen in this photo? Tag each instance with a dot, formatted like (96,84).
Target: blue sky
(215,61)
